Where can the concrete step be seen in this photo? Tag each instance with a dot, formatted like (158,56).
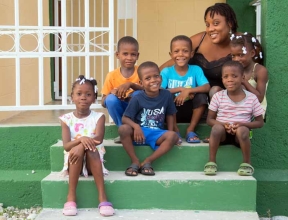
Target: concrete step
(151,214)
(166,190)
(21,188)
(188,157)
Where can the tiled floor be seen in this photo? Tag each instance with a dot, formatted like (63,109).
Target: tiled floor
(42,117)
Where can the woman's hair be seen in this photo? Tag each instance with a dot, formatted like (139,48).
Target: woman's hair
(247,40)
(81,80)
(226,11)
(181,37)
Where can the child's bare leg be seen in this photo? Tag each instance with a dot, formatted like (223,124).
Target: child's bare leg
(74,172)
(218,134)
(126,132)
(242,136)
(196,116)
(95,166)
(165,143)
(175,127)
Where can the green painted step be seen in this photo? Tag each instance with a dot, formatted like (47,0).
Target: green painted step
(188,157)
(151,214)
(166,190)
(21,188)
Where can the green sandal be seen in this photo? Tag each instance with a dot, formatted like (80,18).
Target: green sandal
(245,169)
(210,168)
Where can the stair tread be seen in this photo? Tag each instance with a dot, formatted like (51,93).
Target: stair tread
(161,175)
(151,214)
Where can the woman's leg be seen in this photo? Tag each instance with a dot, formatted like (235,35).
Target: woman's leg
(213,90)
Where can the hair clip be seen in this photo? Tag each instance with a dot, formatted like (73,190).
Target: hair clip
(245,33)
(255,57)
(244,50)
(82,81)
(78,79)
(237,37)
(232,36)
(255,47)
(260,55)
(253,40)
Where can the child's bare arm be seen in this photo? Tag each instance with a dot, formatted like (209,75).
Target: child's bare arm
(262,79)
(170,122)
(100,129)
(257,123)
(138,134)
(66,138)
(211,118)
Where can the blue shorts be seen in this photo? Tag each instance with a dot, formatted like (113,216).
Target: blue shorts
(151,136)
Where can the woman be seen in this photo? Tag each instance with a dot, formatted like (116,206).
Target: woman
(212,47)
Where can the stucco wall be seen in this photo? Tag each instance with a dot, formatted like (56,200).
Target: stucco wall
(161,20)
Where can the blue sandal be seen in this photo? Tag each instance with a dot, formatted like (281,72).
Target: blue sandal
(192,135)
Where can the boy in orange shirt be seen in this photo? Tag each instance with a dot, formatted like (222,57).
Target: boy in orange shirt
(120,84)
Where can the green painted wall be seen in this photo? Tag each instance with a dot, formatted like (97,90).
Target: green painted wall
(246,15)
(273,156)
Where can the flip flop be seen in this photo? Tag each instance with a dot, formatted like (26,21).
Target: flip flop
(147,170)
(210,168)
(190,136)
(180,138)
(134,169)
(70,209)
(245,169)
(206,140)
(106,209)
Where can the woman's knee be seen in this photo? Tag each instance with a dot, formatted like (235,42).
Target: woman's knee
(242,133)
(213,90)
(217,130)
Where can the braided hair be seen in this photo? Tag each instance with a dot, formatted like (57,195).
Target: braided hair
(81,79)
(226,11)
(248,40)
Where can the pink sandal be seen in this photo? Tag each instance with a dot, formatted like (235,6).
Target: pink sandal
(70,209)
(106,209)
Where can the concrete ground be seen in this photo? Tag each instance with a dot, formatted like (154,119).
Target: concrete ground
(155,214)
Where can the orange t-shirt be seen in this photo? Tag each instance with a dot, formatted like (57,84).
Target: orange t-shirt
(115,79)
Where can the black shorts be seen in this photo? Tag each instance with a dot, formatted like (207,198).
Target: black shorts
(230,139)
(185,111)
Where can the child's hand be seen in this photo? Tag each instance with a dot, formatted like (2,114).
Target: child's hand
(182,97)
(114,91)
(228,127)
(75,153)
(138,136)
(234,128)
(121,93)
(89,143)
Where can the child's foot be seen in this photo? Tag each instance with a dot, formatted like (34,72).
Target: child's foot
(132,170)
(106,209)
(210,168)
(245,169)
(70,209)
(147,169)
(180,138)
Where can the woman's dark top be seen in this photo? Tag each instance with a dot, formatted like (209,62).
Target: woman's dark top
(212,70)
